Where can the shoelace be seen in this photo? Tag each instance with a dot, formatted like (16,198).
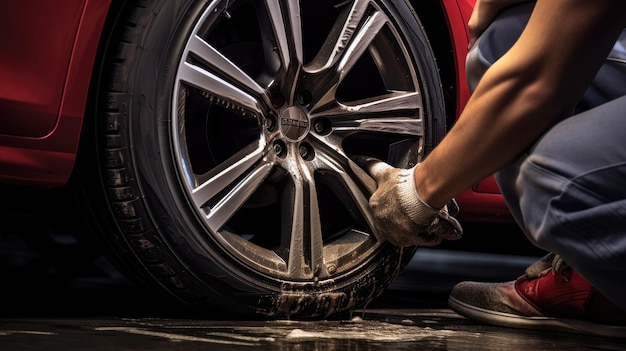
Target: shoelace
(550,261)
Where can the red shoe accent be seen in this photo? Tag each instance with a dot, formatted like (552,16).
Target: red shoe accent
(568,295)
(552,300)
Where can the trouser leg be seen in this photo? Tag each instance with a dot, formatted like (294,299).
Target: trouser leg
(570,194)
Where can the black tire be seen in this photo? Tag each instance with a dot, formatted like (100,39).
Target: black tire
(195,169)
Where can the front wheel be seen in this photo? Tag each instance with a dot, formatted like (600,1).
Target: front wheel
(221,156)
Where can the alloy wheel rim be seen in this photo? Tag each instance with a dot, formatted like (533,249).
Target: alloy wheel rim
(264,133)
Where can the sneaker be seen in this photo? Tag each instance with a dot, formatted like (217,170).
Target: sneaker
(551,295)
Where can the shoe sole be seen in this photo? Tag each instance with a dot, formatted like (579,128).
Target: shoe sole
(538,323)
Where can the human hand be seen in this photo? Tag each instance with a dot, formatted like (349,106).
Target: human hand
(402,217)
(483,14)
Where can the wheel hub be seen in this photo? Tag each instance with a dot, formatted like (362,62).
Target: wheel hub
(294,124)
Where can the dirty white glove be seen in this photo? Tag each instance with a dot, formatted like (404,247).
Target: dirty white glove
(402,217)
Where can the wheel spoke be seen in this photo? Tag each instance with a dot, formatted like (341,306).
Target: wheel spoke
(231,202)
(289,45)
(365,115)
(349,173)
(210,57)
(242,177)
(340,35)
(339,54)
(388,125)
(226,174)
(361,42)
(229,94)
(390,104)
(306,242)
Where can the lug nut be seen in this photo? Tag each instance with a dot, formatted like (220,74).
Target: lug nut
(304,97)
(318,126)
(304,151)
(278,149)
(278,100)
(322,126)
(270,122)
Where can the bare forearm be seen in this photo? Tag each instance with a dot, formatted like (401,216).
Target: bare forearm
(498,124)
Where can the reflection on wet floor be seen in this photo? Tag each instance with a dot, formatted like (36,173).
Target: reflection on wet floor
(437,329)
(43,307)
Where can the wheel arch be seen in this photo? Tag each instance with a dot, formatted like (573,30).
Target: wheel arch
(445,23)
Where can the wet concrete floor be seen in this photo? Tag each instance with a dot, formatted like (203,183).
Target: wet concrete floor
(95,308)
(416,329)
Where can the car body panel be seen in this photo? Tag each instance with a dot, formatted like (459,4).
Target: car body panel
(483,202)
(33,64)
(45,75)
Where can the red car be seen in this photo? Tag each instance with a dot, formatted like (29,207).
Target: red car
(212,141)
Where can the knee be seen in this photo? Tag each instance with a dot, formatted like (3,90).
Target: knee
(496,40)
(563,206)
(537,188)
(475,65)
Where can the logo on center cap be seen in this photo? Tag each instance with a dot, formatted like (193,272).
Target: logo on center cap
(294,124)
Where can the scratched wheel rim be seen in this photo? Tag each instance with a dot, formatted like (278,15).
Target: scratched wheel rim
(265,124)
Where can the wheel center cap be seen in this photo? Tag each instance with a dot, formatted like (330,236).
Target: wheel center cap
(294,123)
